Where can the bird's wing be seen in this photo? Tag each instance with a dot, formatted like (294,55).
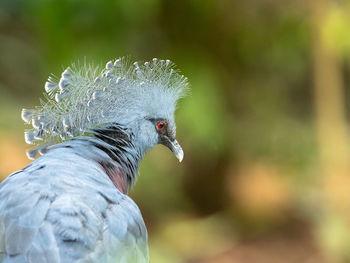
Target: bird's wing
(24,234)
(48,215)
(126,231)
(115,234)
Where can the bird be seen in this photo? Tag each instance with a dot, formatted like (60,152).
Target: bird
(92,129)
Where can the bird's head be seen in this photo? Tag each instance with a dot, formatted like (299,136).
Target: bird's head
(141,98)
(158,130)
(153,121)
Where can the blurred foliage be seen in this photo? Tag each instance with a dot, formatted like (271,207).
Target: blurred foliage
(251,128)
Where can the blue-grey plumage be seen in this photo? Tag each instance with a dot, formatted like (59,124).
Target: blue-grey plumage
(71,204)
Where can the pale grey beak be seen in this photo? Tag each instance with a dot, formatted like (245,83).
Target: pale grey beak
(177,150)
(174,146)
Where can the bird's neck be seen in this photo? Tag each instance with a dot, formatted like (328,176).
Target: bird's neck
(119,157)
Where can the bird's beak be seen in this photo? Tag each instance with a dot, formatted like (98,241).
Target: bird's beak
(177,150)
(175,147)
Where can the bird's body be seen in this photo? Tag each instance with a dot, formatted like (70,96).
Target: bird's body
(65,208)
(71,204)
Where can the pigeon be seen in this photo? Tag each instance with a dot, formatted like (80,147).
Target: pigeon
(92,130)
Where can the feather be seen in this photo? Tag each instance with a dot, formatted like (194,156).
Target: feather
(50,85)
(27,115)
(18,238)
(44,248)
(14,259)
(32,153)
(29,137)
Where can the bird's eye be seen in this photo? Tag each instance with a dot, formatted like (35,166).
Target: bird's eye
(160,125)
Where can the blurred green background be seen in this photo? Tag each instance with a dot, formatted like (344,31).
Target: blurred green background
(266,173)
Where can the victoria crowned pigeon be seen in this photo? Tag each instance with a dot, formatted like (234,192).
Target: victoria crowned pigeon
(92,130)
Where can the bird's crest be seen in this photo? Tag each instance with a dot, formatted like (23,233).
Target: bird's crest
(87,97)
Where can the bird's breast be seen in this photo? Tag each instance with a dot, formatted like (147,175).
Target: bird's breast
(117,176)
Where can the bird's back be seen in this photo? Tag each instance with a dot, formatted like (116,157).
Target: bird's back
(64,208)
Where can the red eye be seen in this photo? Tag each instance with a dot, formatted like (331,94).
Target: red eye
(160,125)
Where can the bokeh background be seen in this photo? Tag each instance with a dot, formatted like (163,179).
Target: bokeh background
(266,173)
